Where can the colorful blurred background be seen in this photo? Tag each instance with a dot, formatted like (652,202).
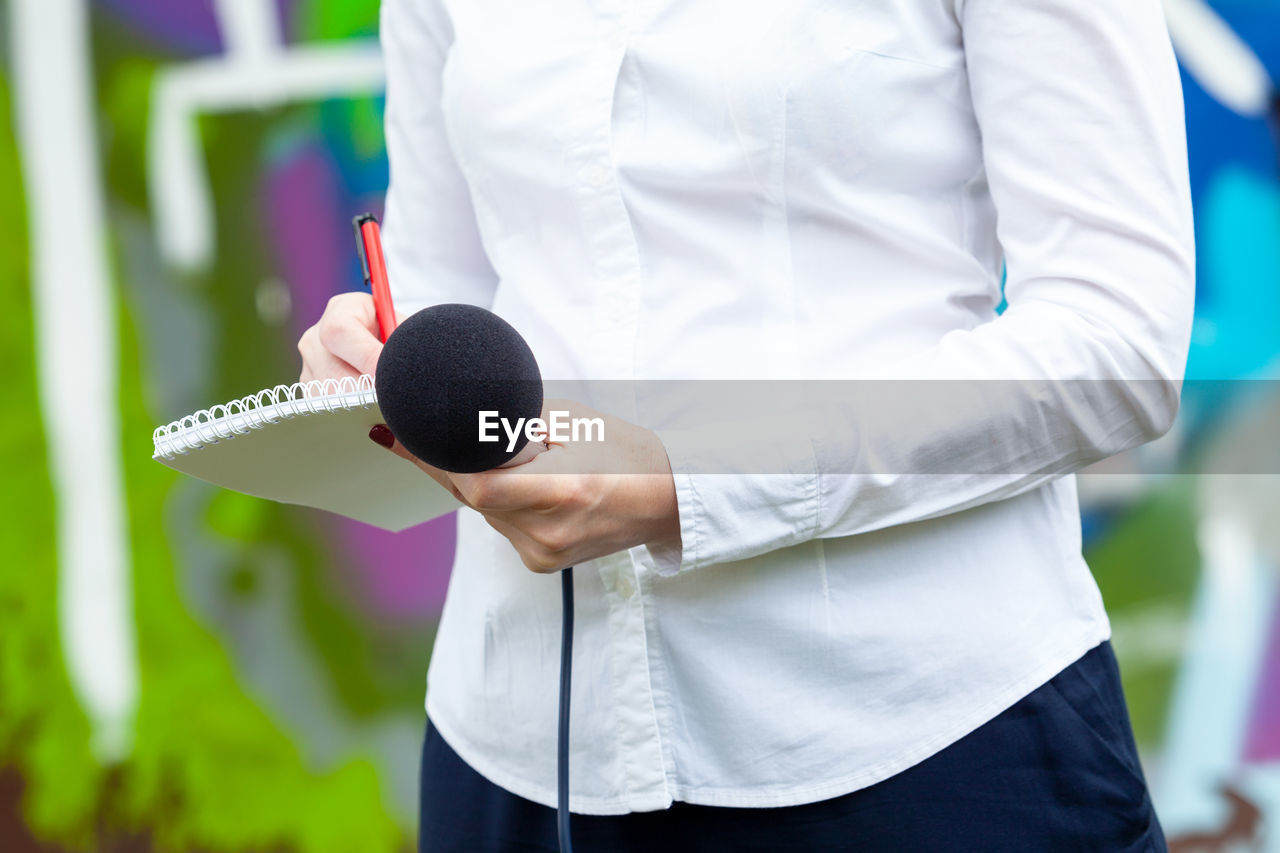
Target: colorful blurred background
(186,669)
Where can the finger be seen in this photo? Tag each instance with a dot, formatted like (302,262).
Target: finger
(315,354)
(549,406)
(526,455)
(350,341)
(535,557)
(319,364)
(399,450)
(503,490)
(355,305)
(546,473)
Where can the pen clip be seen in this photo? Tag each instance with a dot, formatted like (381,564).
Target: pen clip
(357,223)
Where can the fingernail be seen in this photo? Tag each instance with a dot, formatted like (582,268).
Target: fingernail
(381,434)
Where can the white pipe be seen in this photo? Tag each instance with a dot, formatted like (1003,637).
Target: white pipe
(181,199)
(250,29)
(1221,62)
(76,360)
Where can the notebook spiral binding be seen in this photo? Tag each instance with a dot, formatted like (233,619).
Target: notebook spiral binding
(227,420)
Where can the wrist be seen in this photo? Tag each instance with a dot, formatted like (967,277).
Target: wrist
(663,516)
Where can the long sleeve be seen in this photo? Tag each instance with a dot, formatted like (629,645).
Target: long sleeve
(1079,107)
(432,245)
(776,233)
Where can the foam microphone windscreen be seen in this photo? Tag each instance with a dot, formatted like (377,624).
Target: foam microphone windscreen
(440,369)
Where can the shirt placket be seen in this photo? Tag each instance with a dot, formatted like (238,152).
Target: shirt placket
(615,261)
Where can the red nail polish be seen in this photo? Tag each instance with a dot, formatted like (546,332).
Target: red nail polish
(381,434)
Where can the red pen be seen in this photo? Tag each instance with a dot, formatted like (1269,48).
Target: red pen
(369,245)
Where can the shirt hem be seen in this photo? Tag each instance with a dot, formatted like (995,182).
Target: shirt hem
(1062,656)
(1068,654)
(535,793)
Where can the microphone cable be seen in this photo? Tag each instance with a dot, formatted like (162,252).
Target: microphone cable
(562,740)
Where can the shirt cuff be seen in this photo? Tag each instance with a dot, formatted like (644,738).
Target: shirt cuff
(738,502)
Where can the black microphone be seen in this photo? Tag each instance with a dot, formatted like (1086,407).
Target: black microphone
(439,370)
(443,367)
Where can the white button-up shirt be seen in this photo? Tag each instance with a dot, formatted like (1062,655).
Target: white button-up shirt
(730,189)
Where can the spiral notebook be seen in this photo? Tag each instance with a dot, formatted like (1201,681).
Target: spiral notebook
(308,444)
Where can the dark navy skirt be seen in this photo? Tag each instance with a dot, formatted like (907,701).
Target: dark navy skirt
(1058,771)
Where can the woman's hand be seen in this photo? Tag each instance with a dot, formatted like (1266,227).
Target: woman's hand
(578,500)
(575,502)
(345,341)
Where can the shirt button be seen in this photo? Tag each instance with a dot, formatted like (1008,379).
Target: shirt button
(626,586)
(595,175)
